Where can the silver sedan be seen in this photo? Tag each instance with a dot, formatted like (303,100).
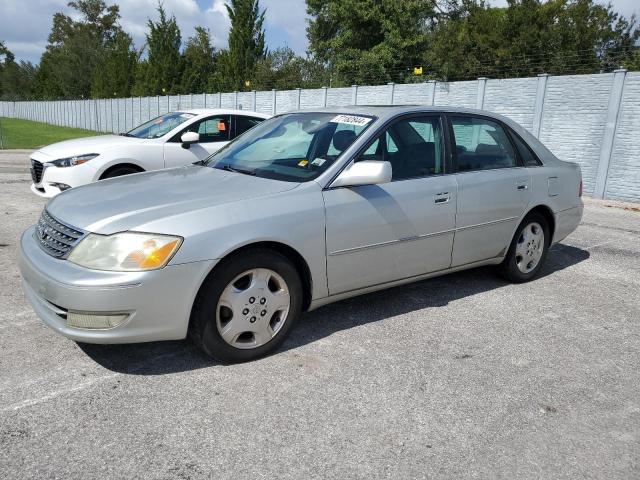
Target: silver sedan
(305,209)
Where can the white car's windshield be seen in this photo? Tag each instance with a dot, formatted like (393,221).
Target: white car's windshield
(295,147)
(160,126)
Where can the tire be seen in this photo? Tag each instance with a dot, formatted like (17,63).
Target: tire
(528,250)
(119,172)
(241,311)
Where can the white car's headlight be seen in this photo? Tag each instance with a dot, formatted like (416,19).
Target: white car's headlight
(75,160)
(125,252)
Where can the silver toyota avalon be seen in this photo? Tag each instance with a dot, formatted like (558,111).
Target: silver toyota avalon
(304,209)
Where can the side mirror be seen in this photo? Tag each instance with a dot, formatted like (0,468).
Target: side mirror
(366,172)
(188,138)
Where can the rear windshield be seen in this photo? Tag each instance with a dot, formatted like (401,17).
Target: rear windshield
(294,147)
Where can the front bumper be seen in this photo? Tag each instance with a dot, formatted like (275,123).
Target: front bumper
(52,176)
(158,302)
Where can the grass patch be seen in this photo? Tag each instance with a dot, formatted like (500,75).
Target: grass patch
(18,133)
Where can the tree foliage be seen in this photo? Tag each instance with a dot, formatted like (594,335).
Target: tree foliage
(282,69)
(246,44)
(364,41)
(115,74)
(76,48)
(199,73)
(162,73)
(530,37)
(16,79)
(350,41)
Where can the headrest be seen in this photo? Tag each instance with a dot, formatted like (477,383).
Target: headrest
(488,150)
(342,139)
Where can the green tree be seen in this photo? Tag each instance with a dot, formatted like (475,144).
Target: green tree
(282,69)
(162,71)
(16,79)
(115,74)
(199,56)
(369,41)
(76,48)
(246,44)
(530,37)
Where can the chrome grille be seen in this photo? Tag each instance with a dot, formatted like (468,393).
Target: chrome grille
(56,238)
(36,171)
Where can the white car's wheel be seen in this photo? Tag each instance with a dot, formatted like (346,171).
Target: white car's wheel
(119,171)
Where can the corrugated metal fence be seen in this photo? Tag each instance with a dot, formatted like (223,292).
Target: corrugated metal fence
(593,120)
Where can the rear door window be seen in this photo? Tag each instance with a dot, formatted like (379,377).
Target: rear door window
(481,144)
(526,154)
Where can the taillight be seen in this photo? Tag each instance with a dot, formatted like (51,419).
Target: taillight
(580,189)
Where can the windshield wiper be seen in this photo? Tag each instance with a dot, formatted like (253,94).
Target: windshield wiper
(200,162)
(229,168)
(125,134)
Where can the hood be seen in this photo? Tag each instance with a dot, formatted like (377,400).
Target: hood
(81,146)
(126,203)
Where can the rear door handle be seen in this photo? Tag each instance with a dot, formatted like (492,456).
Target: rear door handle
(442,197)
(522,186)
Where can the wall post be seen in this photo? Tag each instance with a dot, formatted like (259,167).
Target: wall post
(482,86)
(392,88)
(273,102)
(609,132)
(254,100)
(324,96)
(538,108)
(298,94)
(354,94)
(433,91)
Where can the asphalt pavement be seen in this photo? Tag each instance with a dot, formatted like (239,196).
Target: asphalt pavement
(462,376)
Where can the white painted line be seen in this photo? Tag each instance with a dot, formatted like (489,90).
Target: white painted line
(56,393)
(81,386)
(598,245)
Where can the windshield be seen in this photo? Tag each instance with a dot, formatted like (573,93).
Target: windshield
(160,126)
(294,147)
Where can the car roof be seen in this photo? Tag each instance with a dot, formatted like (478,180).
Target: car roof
(222,111)
(389,111)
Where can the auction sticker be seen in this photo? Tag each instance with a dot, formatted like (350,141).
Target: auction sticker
(351,120)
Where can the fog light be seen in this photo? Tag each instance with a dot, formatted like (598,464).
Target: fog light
(92,320)
(61,186)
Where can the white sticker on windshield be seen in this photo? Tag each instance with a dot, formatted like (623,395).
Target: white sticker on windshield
(318,162)
(187,115)
(351,120)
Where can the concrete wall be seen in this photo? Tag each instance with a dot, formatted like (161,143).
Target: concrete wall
(593,120)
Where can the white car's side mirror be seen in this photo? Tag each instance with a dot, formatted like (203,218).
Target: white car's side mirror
(188,138)
(366,172)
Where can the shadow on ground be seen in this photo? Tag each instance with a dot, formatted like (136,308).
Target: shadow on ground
(158,358)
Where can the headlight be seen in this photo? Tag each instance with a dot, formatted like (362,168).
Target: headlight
(76,160)
(125,252)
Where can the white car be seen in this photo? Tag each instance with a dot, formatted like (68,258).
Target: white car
(171,140)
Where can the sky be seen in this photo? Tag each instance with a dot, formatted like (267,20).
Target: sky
(25,24)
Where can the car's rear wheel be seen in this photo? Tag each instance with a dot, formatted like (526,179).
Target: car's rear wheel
(119,172)
(528,250)
(247,307)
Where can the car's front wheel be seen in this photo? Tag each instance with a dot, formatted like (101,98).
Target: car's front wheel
(528,249)
(247,307)
(119,171)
